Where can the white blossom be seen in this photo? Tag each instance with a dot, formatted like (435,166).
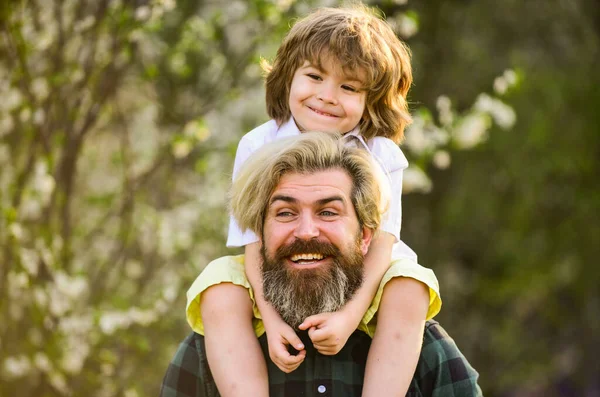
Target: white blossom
(70,287)
(471,130)
(107,369)
(11,100)
(42,362)
(40,297)
(500,85)
(6,124)
(131,393)
(58,381)
(444,106)
(74,355)
(441,159)
(142,317)
(510,76)
(415,138)
(171,292)
(502,114)
(181,149)
(134,269)
(407,26)
(142,13)
(39,88)
(80,324)
(17,366)
(30,261)
(30,209)
(39,116)
(283,5)
(84,24)
(112,321)
(415,180)
(25,115)
(17,231)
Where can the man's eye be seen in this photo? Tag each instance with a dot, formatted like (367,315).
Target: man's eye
(328,213)
(284,214)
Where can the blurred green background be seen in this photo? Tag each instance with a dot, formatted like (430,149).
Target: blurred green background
(119,121)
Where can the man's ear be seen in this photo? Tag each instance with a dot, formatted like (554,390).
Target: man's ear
(365,239)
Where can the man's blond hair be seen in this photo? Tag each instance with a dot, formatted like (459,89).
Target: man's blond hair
(356,39)
(306,154)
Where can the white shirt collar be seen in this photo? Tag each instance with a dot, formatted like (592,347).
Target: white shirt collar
(289,128)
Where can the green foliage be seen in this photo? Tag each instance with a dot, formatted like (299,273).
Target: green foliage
(118,126)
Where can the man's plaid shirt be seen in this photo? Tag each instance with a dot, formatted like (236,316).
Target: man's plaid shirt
(442,370)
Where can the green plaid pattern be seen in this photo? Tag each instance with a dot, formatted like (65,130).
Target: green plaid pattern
(442,370)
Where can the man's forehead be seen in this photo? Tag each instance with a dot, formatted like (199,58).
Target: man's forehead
(314,186)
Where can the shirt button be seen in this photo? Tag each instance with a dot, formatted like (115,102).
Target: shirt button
(321,389)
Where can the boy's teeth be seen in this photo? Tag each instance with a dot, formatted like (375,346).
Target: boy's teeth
(306,257)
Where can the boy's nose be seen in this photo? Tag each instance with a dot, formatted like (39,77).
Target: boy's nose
(327,94)
(306,228)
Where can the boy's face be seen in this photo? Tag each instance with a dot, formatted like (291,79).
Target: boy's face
(326,99)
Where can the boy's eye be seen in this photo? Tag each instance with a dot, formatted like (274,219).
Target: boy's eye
(350,88)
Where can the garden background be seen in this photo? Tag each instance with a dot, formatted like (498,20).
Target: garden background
(119,121)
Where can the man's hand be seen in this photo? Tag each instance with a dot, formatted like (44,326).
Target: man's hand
(280,336)
(329,331)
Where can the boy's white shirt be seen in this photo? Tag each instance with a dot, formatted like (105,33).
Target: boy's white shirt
(386,153)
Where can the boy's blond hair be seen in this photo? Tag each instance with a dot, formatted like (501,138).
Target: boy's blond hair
(358,39)
(306,154)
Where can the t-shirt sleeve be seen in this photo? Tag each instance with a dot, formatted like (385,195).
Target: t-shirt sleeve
(392,218)
(236,237)
(393,162)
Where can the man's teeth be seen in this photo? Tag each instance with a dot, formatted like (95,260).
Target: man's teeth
(306,257)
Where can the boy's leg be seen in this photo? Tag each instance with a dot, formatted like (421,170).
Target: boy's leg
(396,345)
(232,348)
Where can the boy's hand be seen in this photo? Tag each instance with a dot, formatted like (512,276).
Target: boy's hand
(279,337)
(329,331)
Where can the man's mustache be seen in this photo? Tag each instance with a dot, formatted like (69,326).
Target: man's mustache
(313,246)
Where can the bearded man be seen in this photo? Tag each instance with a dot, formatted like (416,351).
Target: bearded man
(316,204)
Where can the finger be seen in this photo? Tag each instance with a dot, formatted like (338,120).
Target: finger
(313,321)
(290,337)
(291,359)
(323,336)
(328,351)
(291,363)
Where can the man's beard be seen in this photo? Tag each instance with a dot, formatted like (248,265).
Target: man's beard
(299,293)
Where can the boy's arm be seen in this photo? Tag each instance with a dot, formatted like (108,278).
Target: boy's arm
(279,334)
(330,331)
(396,346)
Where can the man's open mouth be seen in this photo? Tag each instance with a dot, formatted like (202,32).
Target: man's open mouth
(305,258)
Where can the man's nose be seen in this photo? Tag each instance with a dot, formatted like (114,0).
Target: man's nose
(306,228)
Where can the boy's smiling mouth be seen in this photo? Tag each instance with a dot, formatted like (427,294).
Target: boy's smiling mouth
(322,113)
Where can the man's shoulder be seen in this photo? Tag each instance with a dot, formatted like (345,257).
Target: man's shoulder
(188,373)
(442,366)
